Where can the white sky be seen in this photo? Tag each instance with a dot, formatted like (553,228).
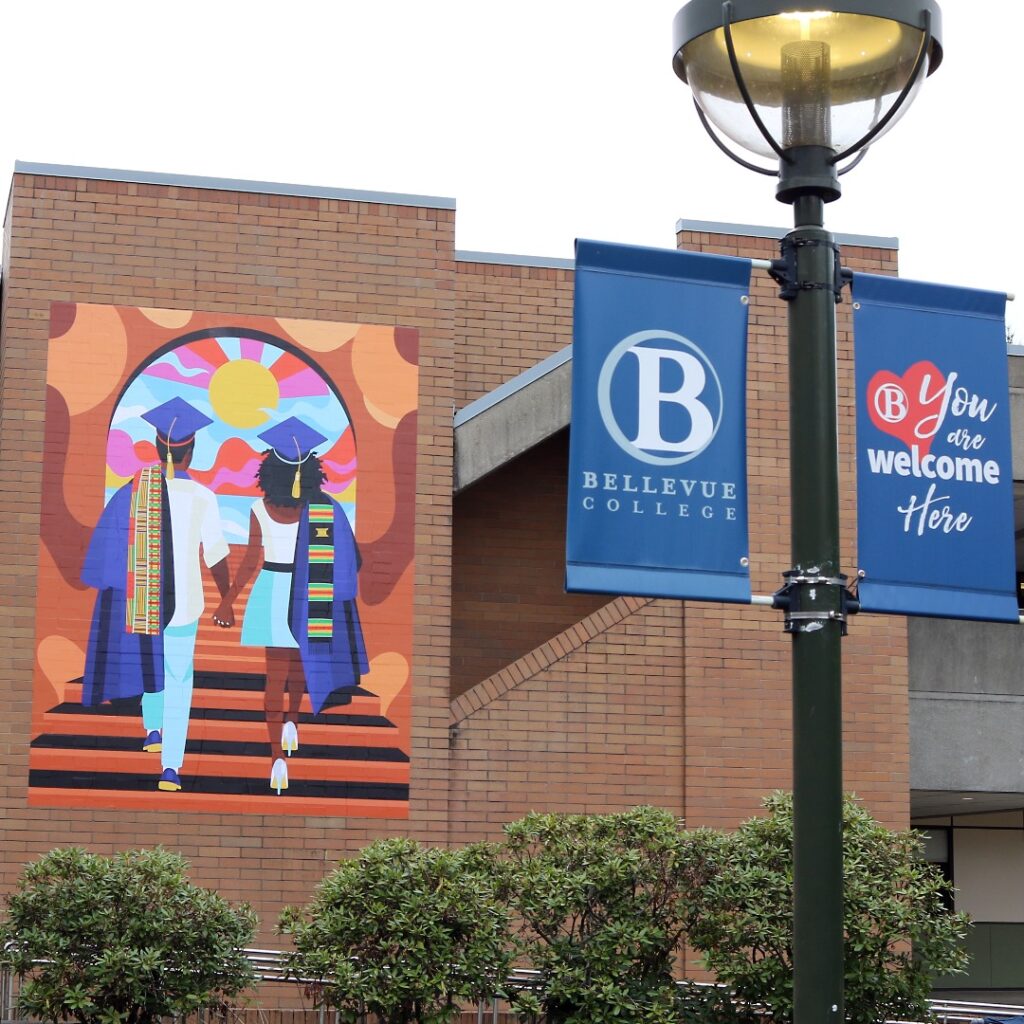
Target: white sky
(544,119)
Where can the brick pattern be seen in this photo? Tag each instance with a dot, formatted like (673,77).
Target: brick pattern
(84,240)
(584,705)
(508,564)
(597,728)
(731,671)
(507,320)
(569,641)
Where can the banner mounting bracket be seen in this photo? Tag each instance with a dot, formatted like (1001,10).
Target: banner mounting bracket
(785,274)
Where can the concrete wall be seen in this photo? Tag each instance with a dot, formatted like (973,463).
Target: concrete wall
(989,864)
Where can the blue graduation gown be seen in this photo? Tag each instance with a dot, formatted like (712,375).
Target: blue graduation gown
(339,661)
(119,664)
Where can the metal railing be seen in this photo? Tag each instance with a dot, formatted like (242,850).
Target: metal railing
(269,967)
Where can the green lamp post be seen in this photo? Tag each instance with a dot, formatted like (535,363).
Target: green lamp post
(812,87)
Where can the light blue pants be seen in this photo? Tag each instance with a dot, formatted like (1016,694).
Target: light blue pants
(169,710)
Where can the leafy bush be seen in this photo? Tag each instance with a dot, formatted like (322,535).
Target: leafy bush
(125,939)
(404,932)
(897,927)
(603,903)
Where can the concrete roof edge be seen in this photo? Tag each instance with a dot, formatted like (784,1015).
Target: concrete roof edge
(717,227)
(510,387)
(232,185)
(511,260)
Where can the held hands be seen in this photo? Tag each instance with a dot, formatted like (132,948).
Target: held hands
(224,616)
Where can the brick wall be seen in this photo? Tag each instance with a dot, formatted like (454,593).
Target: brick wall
(508,565)
(573,703)
(592,721)
(507,319)
(729,674)
(82,240)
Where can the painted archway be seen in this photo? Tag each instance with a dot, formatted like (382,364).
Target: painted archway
(245,381)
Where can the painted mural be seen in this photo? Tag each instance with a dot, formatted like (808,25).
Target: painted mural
(224,609)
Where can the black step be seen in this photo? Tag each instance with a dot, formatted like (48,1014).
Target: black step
(308,751)
(132,782)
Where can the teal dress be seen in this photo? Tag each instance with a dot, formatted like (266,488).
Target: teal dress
(265,623)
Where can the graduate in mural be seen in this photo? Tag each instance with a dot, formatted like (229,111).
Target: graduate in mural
(144,559)
(302,607)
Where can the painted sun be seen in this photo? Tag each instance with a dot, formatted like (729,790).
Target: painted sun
(243,393)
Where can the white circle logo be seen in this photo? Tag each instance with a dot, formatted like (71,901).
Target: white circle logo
(667,395)
(891,403)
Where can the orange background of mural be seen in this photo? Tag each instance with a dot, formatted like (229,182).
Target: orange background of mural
(93,351)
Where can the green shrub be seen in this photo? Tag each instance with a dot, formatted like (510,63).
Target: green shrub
(125,939)
(898,930)
(404,932)
(603,902)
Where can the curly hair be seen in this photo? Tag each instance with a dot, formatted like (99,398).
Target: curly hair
(276,477)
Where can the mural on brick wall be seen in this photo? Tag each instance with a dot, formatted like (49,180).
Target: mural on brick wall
(224,610)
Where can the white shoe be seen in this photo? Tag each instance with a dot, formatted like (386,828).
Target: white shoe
(289,738)
(279,776)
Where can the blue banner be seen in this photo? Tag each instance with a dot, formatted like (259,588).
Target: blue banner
(934,473)
(657,449)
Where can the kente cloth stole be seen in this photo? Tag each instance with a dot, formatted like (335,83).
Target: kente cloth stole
(145,551)
(321,572)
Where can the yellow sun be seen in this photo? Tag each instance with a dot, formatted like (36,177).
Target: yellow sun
(241,391)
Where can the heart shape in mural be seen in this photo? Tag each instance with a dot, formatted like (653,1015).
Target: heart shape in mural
(910,407)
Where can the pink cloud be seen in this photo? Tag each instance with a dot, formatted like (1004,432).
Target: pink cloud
(167,372)
(243,477)
(303,384)
(121,457)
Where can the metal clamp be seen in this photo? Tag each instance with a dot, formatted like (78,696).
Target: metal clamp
(783,270)
(790,599)
(795,576)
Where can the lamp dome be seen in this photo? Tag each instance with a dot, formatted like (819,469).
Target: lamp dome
(816,77)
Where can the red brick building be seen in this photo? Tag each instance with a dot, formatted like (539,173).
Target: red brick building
(520,697)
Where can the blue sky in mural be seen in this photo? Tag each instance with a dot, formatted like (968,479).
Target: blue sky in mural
(245,385)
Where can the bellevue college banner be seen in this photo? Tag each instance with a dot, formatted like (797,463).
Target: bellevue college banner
(934,473)
(657,450)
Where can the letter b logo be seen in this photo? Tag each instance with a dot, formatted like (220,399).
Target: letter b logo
(659,397)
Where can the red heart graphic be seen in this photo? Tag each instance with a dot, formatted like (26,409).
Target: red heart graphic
(910,408)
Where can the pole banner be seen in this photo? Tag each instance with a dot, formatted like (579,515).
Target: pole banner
(657,450)
(934,472)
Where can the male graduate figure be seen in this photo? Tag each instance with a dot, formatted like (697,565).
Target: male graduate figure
(144,558)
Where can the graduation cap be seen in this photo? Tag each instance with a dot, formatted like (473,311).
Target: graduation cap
(293,442)
(176,423)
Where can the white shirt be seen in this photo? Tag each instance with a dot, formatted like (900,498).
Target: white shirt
(278,538)
(195,523)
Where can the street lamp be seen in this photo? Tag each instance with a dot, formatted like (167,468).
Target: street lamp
(813,87)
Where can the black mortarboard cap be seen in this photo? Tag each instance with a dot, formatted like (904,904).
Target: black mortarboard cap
(176,421)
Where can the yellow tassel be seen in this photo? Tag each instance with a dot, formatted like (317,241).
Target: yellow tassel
(297,484)
(170,465)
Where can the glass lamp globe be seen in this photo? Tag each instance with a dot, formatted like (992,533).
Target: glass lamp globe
(815,77)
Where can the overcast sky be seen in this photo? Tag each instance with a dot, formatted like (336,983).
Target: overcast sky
(546,120)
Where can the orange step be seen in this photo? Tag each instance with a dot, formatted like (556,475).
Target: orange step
(214,803)
(221,765)
(331,728)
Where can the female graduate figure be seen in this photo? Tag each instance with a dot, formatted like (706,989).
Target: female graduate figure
(302,608)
